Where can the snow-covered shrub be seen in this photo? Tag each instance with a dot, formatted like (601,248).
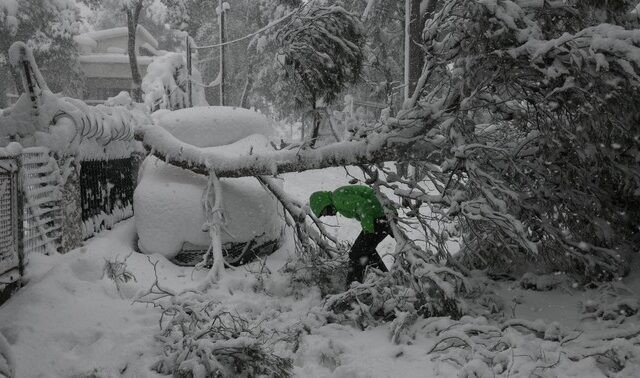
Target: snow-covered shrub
(481,296)
(206,338)
(313,268)
(165,85)
(614,302)
(543,282)
(375,301)
(117,272)
(383,295)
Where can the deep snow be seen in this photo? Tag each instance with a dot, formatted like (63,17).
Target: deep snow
(72,321)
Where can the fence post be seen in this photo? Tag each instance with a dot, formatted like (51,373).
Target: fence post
(20,216)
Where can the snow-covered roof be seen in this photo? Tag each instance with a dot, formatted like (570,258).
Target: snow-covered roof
(115,32)
(83,40)
(113,58)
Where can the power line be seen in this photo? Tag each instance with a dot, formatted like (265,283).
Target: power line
(274,23)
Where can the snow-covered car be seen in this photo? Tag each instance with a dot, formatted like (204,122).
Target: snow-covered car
(168,200)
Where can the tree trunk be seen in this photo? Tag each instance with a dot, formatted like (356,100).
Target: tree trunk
(133,16)
(415,53)
(247,87)
(374,149)
(316,124)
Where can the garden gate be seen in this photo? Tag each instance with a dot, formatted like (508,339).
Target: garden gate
(42,202)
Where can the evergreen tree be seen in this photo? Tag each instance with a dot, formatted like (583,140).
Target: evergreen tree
(321,53)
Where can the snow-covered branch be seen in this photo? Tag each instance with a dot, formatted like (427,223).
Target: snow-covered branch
(375,148)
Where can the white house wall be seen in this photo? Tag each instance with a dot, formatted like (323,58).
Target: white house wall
(111,67)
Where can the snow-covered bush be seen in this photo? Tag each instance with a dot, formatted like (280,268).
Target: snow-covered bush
(384,295)
(205,338)
(614,302)
(313,268)
(165,84)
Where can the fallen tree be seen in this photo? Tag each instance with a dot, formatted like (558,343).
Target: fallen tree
(402,140)
(523,133)
(524,138)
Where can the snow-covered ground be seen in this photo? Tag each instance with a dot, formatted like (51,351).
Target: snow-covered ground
(71,320)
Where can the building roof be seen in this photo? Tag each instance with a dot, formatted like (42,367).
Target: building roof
(90,39)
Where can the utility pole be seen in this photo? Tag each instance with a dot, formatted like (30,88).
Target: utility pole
(407,46)
(189,71)
(222,41)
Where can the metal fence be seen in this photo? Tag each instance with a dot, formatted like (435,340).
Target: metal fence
(106,191)
(10,224)
(42,201)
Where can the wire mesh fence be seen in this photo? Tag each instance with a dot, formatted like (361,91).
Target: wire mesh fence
(10,223)
(106,191)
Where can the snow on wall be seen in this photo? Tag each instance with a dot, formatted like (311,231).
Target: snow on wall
(168,204)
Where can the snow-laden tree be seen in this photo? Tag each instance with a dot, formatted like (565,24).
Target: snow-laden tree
(384,58)
(536,103)
(47,27)
(166,84)
(320,54)
(246,57)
